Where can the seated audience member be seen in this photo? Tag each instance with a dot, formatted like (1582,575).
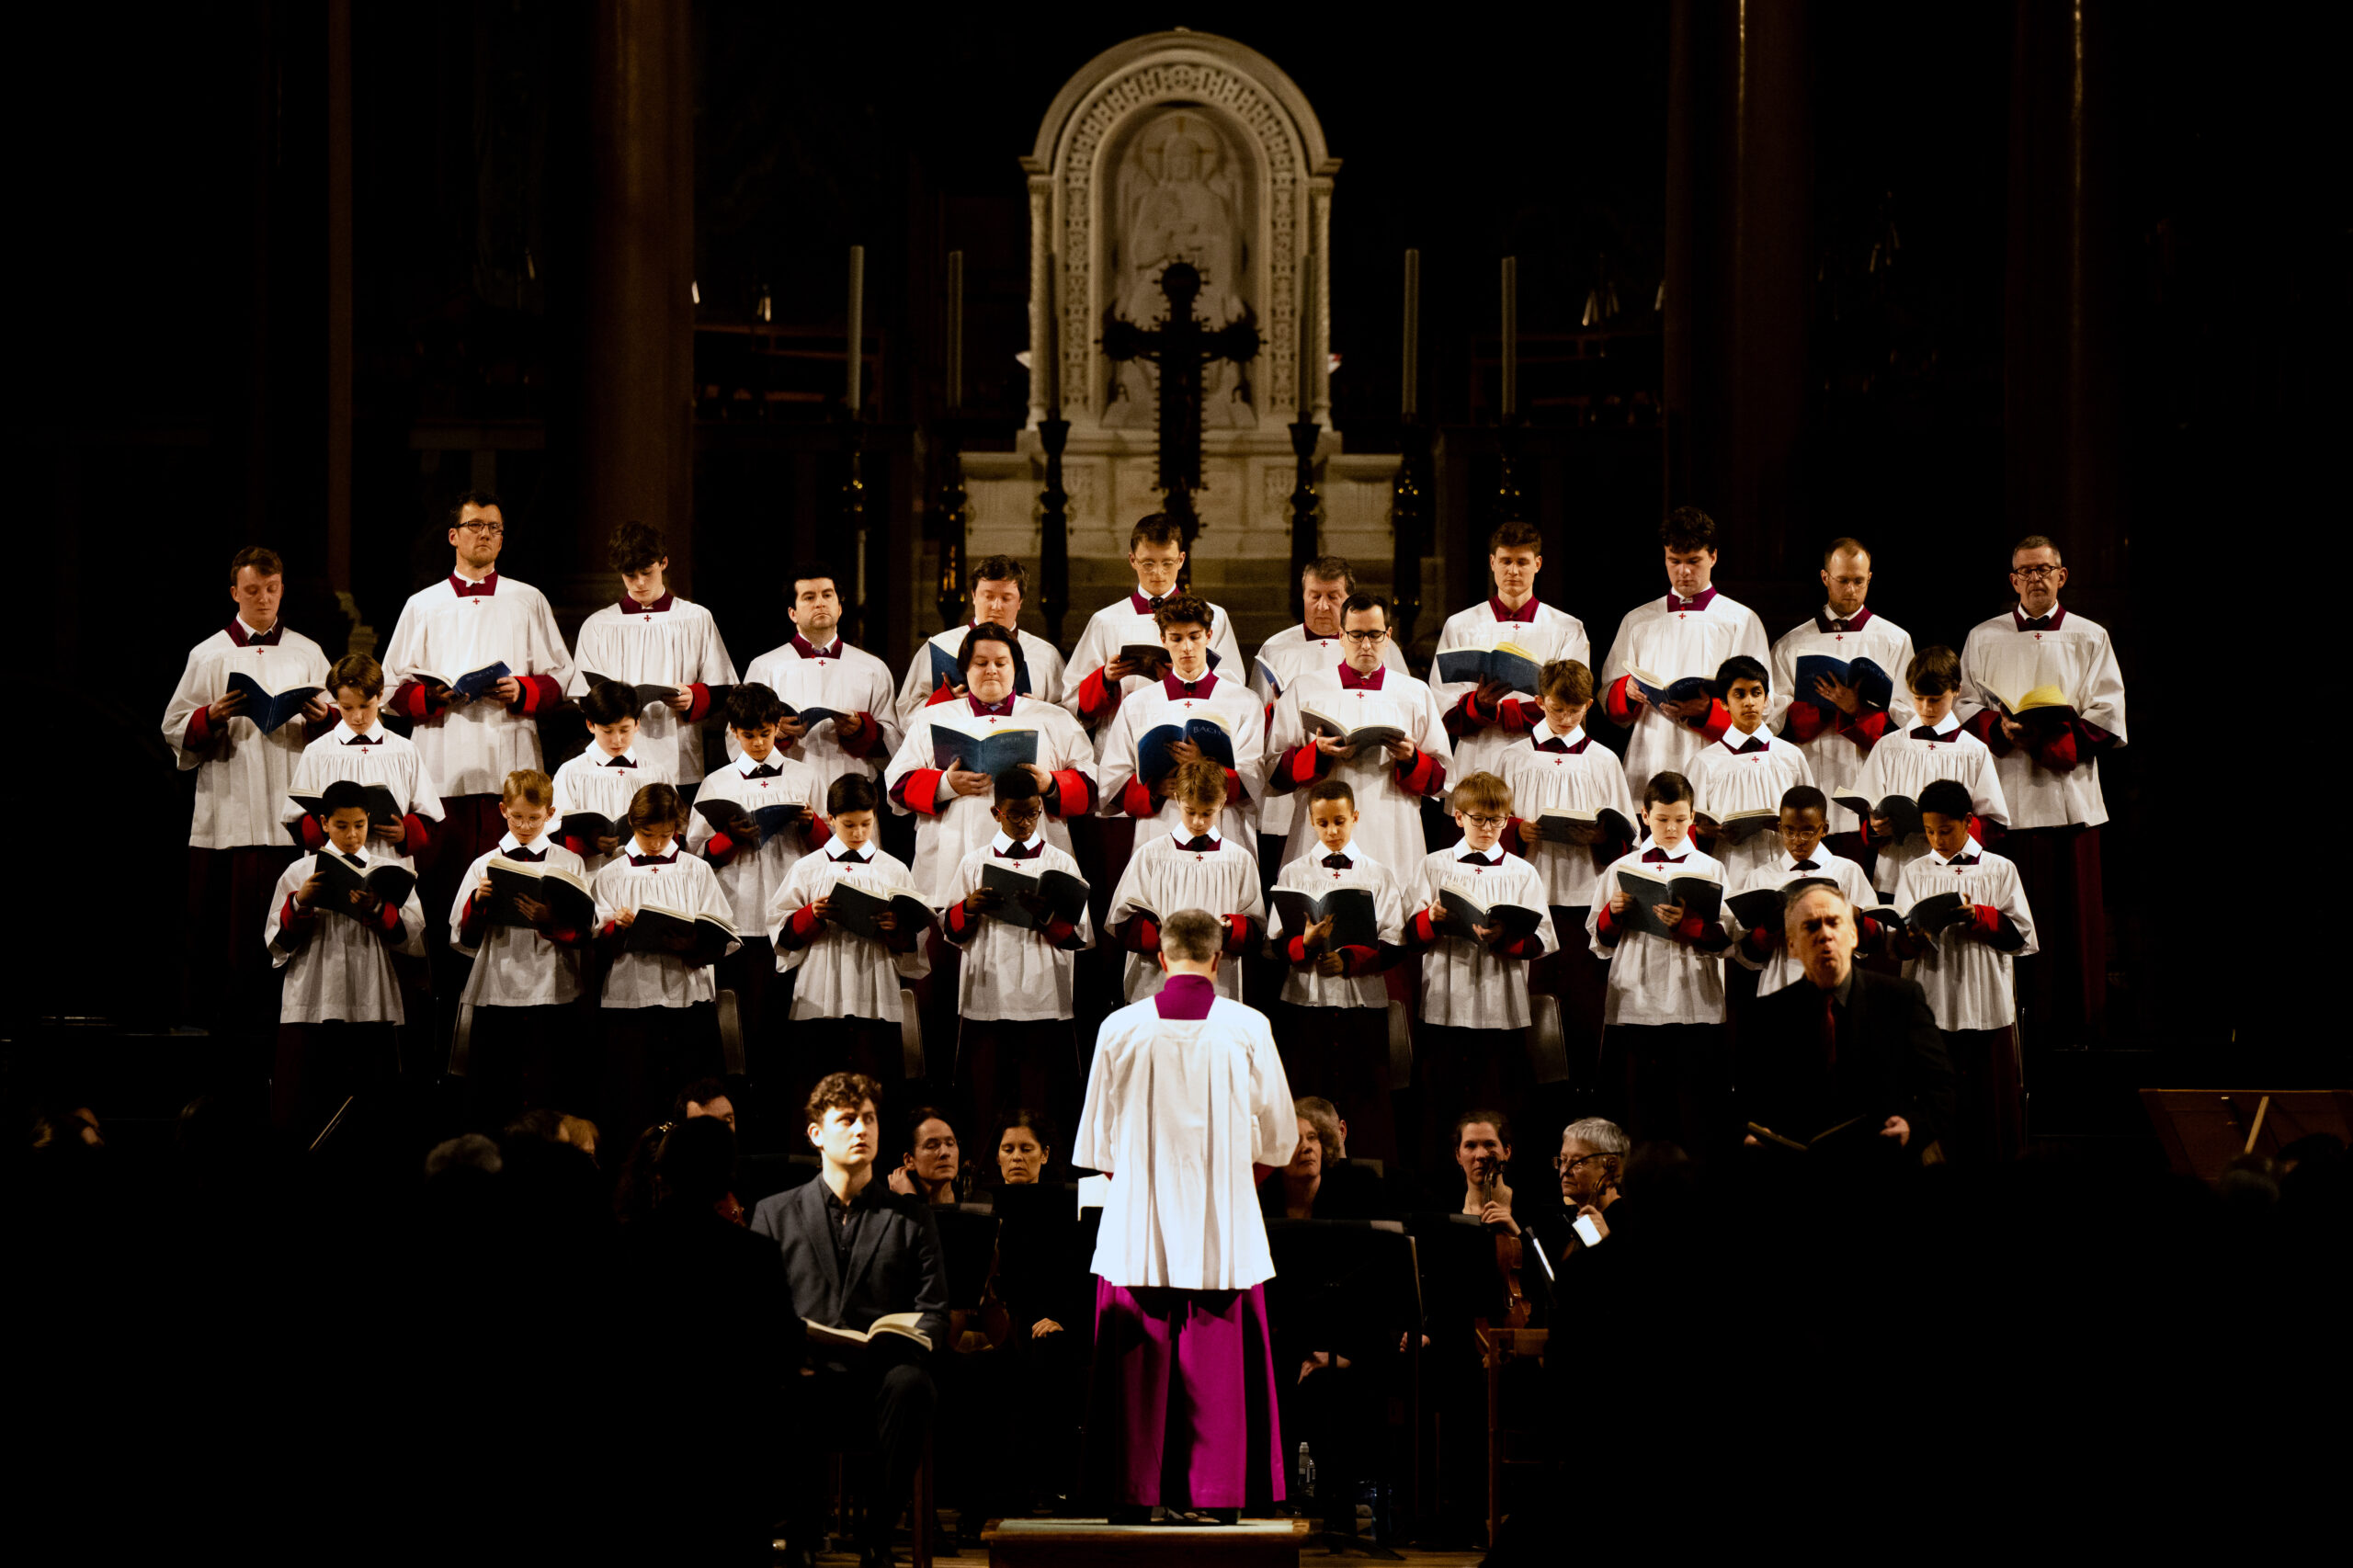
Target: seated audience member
(1041,1280)
(1320,1182)
(932,1168)
(705,1096)
(854,1250)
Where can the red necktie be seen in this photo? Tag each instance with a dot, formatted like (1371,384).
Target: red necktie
(1830,1027)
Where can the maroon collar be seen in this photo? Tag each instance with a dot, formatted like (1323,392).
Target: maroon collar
(1655,854)
(484,589)
(630,607)
(2019,618)
(1700,601)
(244,639)
(1141,605)
(808,650)
(1554,743)
(1351,681)
(1177,690)
(1185,998)
(1525,612)
(981,709)
(669,860)
(1855,622)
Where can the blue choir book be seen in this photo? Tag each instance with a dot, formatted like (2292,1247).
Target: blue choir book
(750,828)
(944,670)
(473,683)
(1154,759)
(1872,683)
(1515,666)
(992,751)
(1660,689)
(270,709)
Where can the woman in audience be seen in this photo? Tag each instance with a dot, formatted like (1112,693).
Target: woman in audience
(1042,1280)
(933,1166)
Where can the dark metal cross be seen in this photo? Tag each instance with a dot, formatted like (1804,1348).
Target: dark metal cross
(1181,347)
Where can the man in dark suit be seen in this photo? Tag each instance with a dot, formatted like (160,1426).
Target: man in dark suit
(1843,1045)
(855,1251)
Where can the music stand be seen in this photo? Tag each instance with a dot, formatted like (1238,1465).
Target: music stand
(2204,1129)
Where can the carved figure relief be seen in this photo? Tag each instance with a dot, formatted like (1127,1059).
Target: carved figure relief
(1180,193)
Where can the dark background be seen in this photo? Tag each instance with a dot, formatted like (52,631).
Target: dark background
(2162,415)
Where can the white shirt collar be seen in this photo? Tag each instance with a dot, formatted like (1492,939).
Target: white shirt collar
(744,763)
(508,841)
(629,846)
(1179,837)
(1947,724)
(600,760)
(374,731)
(835,850)
(1575,735)
(250,630)
(1822,856)
(1494,853)
(1733,740)
(1971,847)
(366,852)
(1000,843)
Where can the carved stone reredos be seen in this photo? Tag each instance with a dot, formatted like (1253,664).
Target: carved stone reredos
(1179,146)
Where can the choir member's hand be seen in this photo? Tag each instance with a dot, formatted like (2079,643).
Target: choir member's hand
(481,886)
(228,705)
(1669,914)
(821,908)
(1839,695)
(1316,936)
(1895,1127)
(2015,731)
(318,710)
(1043,1327)
(1493,1212)
(1881,828)
(308,893)
(1619,901)
(679,701)
(1120,669)
(1332,966)
(980,901)
(608,844)
(1185,752)
(1530,836)
(1492,693)
(903,1181)
(393,832)
(530,909)
(1400,750)
(958,691)
(624,918)
(1683,712)
(848,724)
(509,689)
(1045,779)
(1040,910)
(1588,1211)
(1437,914)
(439,696)
(1486,934)
(965,781)
(1636,696)
(1331,746)
(790,730)
(1764,936)
(365,904)
(1322,1359)
(886,922)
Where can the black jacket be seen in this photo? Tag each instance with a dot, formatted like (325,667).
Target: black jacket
(896,1263)
(1891,1060)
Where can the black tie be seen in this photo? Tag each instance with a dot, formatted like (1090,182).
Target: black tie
(362,741)
(1926,733)
(1198,846)
(534,856)
(1475,860)
(2040,623)
(1805,866)
(1838,626)
(1754,742)
(1153,603)
(853,856)
(1338,862)
(765,770)
(1962,860)
(356,861)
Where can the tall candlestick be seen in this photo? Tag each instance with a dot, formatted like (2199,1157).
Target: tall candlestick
(1053,337)
(856,319)
(955,329)
(1413,402)
(1511,336)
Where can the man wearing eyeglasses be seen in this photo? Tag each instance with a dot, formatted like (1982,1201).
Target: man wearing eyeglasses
(473,619)
(2040,685)
(1315,643)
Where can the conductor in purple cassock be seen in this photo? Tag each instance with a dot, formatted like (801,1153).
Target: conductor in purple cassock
(1186,1096)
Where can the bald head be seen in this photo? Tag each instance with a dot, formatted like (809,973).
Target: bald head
(1822,930)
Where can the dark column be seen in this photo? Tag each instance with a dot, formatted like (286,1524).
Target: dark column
(2060,400)
(338,321)
(1738,217)
(638,370)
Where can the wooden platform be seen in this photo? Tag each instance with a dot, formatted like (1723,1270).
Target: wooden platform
(1083,1543)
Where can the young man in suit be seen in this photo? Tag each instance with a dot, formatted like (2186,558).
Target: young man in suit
(855,1251)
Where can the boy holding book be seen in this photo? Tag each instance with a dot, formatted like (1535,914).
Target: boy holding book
(604,779)
(753,861)
(1558,767)
(1485,716)
(848,1010)
(1099,673)
(1906,762)
(1664,1056)
(652,637)
(1189,691)
(1679,638)
(359,748)
(1743,774)
(333,928)
(1966,922)
(1473,1043)
(1197,865)
(1016,1045)
(1801,853)
(526,975)
(1336,1004)
(661,1022)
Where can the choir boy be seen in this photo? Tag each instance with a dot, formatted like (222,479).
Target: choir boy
(751,874)
(1664,1049)
(818,669)
(525,978)
(2050,774)
(1472,1044)
(652,637)
(950,804)
(1801,853)
(847,1011)
(605,778)
(1934,746)
(1195,865)
(1335,1005)
(361,749)
(468,621)
(236,839)
(1190,689)
(1016,1045)
(1689,632)
(1098,677)
(1832,723)
(1965,969)
(1558,764)
(660,1017)
(1485,717)
(1744,770)
(1187,1105)
(1314,644)
(1391,781)
(1000,583)
(341,1001)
